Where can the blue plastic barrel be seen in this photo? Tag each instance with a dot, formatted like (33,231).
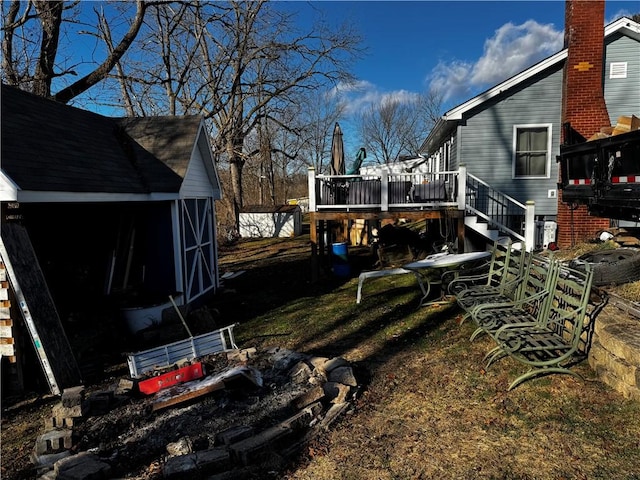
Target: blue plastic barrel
(340,259)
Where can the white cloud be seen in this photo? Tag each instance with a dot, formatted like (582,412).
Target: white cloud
(357,96)
(512,49)
(619,14)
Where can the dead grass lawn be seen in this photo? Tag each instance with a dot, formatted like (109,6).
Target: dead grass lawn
(427,409)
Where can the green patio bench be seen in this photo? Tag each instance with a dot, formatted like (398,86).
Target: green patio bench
(501,280)
(528,294)
(554,339)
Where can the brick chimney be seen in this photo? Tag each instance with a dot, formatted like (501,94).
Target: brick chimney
(583,104)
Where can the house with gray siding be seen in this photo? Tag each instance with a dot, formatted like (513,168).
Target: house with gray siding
(509,136)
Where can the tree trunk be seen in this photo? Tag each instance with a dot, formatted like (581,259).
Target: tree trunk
(50,14)
(236,163)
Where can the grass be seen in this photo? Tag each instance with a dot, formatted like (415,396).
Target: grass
(427,408)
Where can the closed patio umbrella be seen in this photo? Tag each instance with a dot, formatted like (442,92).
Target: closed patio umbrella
(337,152)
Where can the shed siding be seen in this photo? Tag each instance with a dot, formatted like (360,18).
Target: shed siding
(196,181)
(622,94)
(486,140)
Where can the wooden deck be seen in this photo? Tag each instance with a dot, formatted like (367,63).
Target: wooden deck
(335,202)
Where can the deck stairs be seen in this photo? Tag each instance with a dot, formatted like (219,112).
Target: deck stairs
(491,213)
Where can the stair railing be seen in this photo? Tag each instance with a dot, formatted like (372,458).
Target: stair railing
(499,210)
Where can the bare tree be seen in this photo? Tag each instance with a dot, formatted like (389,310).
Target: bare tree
(398,125)
(241,65)
(31,41)
(319,112)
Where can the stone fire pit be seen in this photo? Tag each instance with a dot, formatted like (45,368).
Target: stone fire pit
(253,423)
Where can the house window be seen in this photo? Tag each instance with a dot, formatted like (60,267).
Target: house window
(618,70)
(532,148)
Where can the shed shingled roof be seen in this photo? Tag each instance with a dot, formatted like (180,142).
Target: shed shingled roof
(49,146)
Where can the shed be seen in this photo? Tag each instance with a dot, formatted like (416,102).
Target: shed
(120,212)
(270,221)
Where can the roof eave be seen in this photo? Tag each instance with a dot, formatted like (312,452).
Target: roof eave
(442,129)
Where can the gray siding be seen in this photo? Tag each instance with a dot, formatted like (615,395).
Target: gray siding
(486,138)
(622,94)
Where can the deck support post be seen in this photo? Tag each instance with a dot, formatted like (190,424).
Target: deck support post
(530,225)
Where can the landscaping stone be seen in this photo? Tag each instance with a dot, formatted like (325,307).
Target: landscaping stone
(318,363)
(205,462)
(343,375)
(307,398)
(60,411)
(334,363)
(182,447)
(615,350)
(336,392)
(83,466)
(301,373)
(72,397)
(124,387)
(45,462)
(241,356)
(257,448)
(234,434)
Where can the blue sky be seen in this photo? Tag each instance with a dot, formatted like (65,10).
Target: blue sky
(461,47)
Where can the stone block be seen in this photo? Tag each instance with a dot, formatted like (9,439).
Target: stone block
(197,464)
(307,398)
(241,356)
(98,403)
(60,411)
(182,447)
(603,359)
(234,434)
(46,461)
(53,442)
(72,397)
(300,420)
(213,460)
(622,341)
(335,363)
(124,387)
(179,467)
(336,392)
(332,414)
(259,447)
(300,373)
(57,423)
(84,466)
(614,382)
(343,375)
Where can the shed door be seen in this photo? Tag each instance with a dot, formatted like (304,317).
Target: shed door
(198,241)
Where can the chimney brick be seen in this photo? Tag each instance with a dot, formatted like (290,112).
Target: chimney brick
(583,104)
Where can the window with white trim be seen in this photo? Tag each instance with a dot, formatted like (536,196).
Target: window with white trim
(531,151)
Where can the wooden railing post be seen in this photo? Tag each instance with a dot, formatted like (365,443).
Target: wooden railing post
(312,188)
(530,225)
(462,187)
(384,191)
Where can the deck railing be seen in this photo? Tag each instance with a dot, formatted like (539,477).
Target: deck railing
(383,192)
(423,191)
